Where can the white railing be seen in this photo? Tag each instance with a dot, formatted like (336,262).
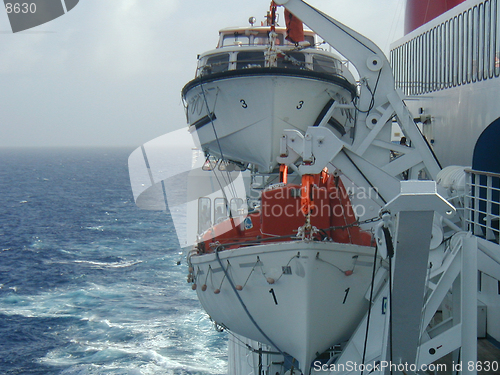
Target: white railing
(482,197)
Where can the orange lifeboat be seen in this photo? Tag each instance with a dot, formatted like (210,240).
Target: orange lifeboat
(282,212)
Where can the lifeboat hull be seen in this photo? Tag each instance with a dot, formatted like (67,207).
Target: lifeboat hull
(244,112)
(304,296)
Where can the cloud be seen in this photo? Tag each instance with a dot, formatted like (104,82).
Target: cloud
(129,34)
(379,20)
(110,72)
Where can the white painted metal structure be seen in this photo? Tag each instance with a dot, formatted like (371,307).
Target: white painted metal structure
(449,70)
(415,209)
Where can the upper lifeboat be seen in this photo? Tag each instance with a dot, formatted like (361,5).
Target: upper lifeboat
(253,86)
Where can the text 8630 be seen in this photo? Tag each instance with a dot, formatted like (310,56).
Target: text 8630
(20,7)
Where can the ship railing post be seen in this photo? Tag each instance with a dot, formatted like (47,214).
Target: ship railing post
(456,306)
(415,207)
(467,222)
(476,182)
(489,212)
(469,305)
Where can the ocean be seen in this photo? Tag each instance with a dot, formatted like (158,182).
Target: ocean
(89,284)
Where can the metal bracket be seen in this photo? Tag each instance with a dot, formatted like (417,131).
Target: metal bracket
(316,148)
(420,196)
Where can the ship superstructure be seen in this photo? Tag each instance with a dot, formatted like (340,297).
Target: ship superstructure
(449,71)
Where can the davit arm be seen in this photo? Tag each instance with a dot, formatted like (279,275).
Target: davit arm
(369,60)
(414,208)
(379,103)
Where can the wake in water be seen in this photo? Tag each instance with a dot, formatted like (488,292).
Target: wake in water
(89,284)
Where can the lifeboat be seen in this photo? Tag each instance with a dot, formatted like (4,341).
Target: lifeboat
(281,214)
(290,276)
(256,84)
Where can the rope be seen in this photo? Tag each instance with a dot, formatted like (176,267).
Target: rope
(223,277)
(388,241)
(246,309)
(372,100)
(243,344)
(260,264)
(282,272)
(331,264)
(250,274)
(390,253)
(390,310)
(229,182)
(370,309)
(208,273)
(339,190)
(258,241)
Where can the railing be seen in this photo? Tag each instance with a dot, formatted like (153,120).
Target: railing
(482,197)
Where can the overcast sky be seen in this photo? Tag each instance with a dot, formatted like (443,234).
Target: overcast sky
(110,72)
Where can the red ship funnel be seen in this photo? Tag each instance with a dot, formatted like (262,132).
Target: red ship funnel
(419,12)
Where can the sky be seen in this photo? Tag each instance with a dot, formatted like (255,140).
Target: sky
(109,72)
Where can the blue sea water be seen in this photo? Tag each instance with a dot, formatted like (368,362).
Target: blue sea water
(89,284)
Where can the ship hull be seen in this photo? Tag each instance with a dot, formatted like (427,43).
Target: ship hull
(302,296)
(240,115)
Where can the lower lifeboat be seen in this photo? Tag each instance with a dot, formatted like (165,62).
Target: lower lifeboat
(282,212)
(292,278)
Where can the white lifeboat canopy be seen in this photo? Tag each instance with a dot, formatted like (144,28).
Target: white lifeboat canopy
(259,35)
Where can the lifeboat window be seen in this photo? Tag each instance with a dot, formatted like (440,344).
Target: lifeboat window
(235,39)
(294,60)
(263,39)
(220,210)
(216,64)
(251,59)
(310,39)
(204,214)
(238,207)
(325,64)
(307,39)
